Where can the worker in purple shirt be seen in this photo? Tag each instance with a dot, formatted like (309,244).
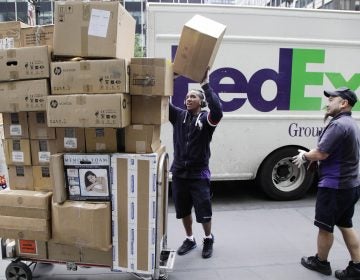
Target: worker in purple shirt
(192,133)
(337,154)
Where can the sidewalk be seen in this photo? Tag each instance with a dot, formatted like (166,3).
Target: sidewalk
(251,244)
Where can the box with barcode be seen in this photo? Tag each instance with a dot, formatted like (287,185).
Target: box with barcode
(70,139)
(41,150)
(15,125)
(17,151)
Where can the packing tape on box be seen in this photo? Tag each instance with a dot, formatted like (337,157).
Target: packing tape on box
(84,66)
(11,53)
(84,41)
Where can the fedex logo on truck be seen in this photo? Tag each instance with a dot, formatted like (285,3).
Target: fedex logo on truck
(290,78)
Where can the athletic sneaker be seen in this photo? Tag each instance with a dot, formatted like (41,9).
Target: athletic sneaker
(352,272)
(208,247)
(314,263)
(186,247)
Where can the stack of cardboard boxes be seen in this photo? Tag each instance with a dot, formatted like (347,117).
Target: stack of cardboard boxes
(25,210)
(83,150)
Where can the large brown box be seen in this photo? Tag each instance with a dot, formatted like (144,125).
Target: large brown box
(17,151)
(82,224)
(89,110)
(70,139)
(21,178)
(151,76)
(38,128)
(149,109)
(41,150)
(42,179)
(24,63)
(16,34)
(105,140)
(95,29)
(24,203)
(199,42)
(62,252)
(10,34)
(25,228)
(39,35)
(23,95)
(15,125)
(89,76)
(142,138)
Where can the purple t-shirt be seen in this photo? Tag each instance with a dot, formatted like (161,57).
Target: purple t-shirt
(340,139)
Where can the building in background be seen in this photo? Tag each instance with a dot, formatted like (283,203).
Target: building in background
(39,12)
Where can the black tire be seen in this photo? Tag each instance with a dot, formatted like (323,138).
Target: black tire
(280,179)
(18,271)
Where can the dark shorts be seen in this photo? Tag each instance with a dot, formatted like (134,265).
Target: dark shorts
(188,193)
(335,208)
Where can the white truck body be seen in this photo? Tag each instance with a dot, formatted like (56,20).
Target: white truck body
(270,72)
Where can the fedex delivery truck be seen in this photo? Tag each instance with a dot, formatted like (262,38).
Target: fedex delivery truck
(270,73)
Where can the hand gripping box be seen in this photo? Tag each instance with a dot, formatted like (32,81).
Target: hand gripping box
(88,110)
(89,76)
(199,42)
(87,176)
(93,29)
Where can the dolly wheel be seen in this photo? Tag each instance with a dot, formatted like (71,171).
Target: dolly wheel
(18,271)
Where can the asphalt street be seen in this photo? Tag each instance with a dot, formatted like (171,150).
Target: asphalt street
(255,239)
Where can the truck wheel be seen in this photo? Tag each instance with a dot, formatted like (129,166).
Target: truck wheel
(280,179)
(18,271)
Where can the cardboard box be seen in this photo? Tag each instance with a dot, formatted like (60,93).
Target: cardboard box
(62,252)
(38,128)
(142,138)
(31,249)
(70,139)
(57,176)
(41,151)
(16,34)
(89,110)
(105,140)
(25,228)
(21,178)
(39,35)
(82,224)
(135,199)
(24,203)
(149,109)
(151,76)
(199,43)
(95,29)
(16,125)
(23,95)
(42,179)
(87,176)
(24,63)
(89,76)
(10,34)
(17,151)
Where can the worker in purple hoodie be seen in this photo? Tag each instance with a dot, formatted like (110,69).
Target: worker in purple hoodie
(192,133)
